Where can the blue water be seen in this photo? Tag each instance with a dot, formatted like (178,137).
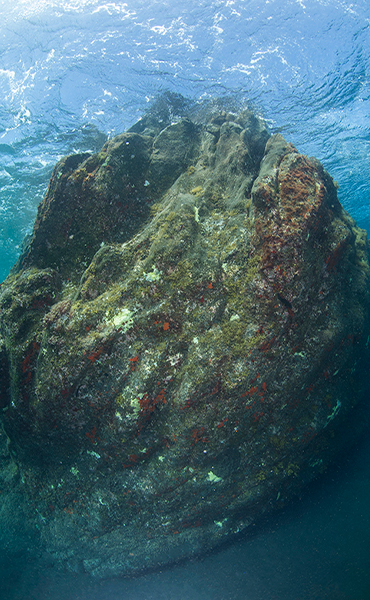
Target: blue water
(77,71)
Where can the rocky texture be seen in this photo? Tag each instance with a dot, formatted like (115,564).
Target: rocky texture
(182,342)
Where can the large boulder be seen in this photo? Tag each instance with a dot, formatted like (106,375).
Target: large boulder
(182,342)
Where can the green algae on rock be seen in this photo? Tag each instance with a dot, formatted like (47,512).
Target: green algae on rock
(182,341)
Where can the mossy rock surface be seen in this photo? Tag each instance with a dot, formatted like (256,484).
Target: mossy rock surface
(182,342)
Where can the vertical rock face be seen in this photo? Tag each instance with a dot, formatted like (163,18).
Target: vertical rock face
(182,341)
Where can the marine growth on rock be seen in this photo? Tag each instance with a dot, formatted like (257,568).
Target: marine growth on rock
(182,342)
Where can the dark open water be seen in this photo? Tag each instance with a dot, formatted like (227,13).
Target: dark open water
(74,72)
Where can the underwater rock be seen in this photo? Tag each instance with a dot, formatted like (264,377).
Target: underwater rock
(182,342)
